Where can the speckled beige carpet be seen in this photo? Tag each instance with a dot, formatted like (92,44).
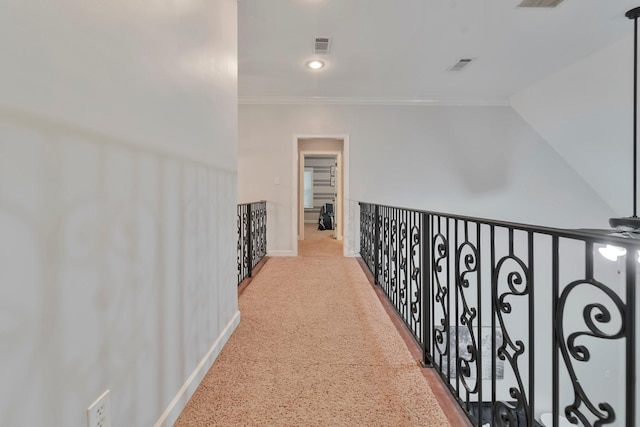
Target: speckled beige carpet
(314,348)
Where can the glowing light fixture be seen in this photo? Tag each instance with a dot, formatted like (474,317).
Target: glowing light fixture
(612,252)
(315,64)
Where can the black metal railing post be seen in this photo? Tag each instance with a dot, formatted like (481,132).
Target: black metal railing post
(630,332)
(555,297)
(426,289)
(532,331)
(376,246)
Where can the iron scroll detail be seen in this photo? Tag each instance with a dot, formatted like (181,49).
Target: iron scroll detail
(415,275)
(593,314)
(403,268)
(441,333)
(468,315)
(517,281)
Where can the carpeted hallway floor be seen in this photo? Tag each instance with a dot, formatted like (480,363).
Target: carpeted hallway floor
(314,348)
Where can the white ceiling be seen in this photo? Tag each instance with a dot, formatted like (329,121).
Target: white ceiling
(401,49)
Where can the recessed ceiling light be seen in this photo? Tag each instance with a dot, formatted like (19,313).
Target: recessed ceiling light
(315,64)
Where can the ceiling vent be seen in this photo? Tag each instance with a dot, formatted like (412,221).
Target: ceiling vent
(540,3)
(461,64)
(322,45)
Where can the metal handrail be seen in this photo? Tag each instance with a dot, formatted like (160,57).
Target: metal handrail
(578,233)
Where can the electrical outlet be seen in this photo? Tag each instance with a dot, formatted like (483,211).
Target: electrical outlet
(99,413)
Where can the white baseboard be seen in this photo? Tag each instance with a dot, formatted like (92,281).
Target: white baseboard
(281,253)
(175,408)
(310,221)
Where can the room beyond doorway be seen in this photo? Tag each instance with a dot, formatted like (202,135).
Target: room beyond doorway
(323,160)
(320,191)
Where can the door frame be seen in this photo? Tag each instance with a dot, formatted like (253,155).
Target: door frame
(295,190)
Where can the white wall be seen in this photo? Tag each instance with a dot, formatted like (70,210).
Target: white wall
(480,161)
(118,132)
(585,112)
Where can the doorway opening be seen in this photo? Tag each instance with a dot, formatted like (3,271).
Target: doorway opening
(320,193)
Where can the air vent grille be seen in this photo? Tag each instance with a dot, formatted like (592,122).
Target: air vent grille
(461,64)
(540,3)
(322,45)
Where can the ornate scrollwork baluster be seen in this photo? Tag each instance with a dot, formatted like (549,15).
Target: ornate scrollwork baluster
(370,239)
(239,245)
(259,219)
(379,244)
(415,305)
(393,279)
(404,280)
(571,351)
(364,232)
(254,238)
(363,228)
(245,242)
(385,253)
(440,258)
(467,254)
(367,233)
(373,243)
(366,248)
(254,243)
(517,281)
(264,231)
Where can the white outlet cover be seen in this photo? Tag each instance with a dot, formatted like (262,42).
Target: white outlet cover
(99,413)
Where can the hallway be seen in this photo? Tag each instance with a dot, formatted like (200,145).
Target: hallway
(314,347)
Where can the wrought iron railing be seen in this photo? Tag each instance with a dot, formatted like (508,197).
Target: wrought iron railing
(252,237)
(517,320)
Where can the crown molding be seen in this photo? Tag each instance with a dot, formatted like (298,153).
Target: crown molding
(320,100)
